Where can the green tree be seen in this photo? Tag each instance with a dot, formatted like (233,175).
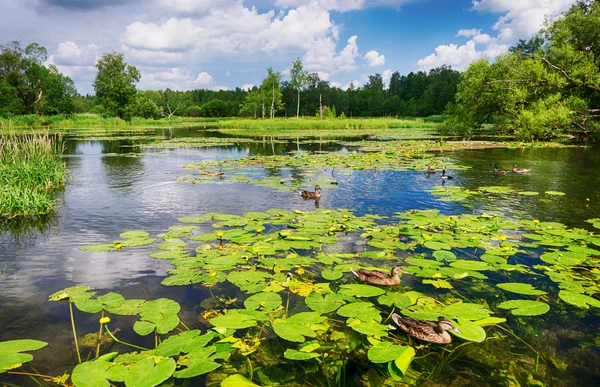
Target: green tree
(115,82)
(271,90)
(298,80)
(539,90)
(253,103)
(141,105)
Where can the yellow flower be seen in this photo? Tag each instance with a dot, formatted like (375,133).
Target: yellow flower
(118,245)
(300,271)
(448,219)
(213,273)
(256,250)
(259,230)
(104,320)
(536,221)
(219,234)
(502,237)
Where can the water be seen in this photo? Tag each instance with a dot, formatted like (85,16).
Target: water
(114,186)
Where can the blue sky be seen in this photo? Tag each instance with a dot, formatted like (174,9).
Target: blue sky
(215,44)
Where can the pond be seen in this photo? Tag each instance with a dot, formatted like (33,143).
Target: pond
(131,183)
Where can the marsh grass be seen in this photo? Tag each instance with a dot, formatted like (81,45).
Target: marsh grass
(284,124)
(30,172)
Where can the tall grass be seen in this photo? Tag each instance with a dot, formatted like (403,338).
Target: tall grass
(30,172)
(326,124)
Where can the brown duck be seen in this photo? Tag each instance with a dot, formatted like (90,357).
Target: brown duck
(207,173)
(380,278)
(429,169)
(312,194)
(498,171)
(520,170)
(426,330)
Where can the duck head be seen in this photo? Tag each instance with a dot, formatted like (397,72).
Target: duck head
(447,325)
(397,270)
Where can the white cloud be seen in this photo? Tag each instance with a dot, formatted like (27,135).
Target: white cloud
(70,54)
(177,78)
(468,33)
(342,5)
(354,83)
(195,6)
(373,58)
(387,75)
(322,58)
(247,87)
(521,20)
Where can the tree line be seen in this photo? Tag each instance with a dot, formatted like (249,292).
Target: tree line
(29,86)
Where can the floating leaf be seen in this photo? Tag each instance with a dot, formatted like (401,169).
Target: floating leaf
(364,311)
(521,288)
(385,352)
(470,331)
(11,356)
(332,274)
(357,290)
(134,234)
(528,193)
(150,372)
(578,300)
(238,380)
(263,301)
(555,193)
(92,373)
(198,362)
(438,284)
(324,304)
(296,327)
(466,311)
(525,307)
(101,248)
(293,354)
(234,321)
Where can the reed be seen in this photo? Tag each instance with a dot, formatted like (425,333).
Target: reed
(30,172)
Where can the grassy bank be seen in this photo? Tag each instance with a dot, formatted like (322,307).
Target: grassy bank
(30,172)
(277,124)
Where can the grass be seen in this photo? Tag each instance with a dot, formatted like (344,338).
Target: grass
(30,173)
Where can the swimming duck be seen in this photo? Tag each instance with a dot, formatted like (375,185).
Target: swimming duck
(497,170)
(207,173)
(312,194)
(520,170)
(429,169)
(444,176)
(426,330)
(379,278)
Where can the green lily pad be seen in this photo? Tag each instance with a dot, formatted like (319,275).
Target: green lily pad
(134,234)
(579,300)
(555,193)
(528,193)
(196,363)
(364,311)
(101,248)
(332,274)
(466,311)
(358,290)
(385,352)
(264,301)
(238,380)
(324,304)
(234,321)
(11,356)
(525,307)
(521,288)
(150,372)
(293,354)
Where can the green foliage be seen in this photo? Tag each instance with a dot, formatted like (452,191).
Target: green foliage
(140,105)
(11,356)
(543,88)
(115,82)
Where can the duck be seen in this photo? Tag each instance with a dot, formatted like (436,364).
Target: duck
(520,170)
(426,330)
(429,169)
(380,278)
(207,173)
(444,176)
(312,194)
(497,170)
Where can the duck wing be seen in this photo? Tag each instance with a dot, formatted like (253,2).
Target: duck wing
(421,329)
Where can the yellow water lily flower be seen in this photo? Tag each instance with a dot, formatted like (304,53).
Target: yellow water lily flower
(502,237)
(536,221)
(300,271)
(219,234)
(256,250)
(104,320)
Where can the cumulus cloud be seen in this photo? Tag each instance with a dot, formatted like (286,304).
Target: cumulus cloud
(373,58)
(322,57)
(195,6)
(387,75)
(70,54)
(247,87)
(84,4)
(177,78)
(343,5)
(521,19)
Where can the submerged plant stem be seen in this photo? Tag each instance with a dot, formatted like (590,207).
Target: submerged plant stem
(74,331)
(122,342)
(99,337)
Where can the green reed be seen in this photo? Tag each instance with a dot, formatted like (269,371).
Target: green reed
(30,172)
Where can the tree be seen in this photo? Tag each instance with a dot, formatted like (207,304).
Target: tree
(271,87)
(542,89)
(140,105)
(253,102)
(298,80)
(115,82)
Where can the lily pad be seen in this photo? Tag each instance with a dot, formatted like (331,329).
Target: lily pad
(525,307)
(470,331)
(555,193)
(521,288)
(385,352)
(579,300)
(357,290)
(263,301)
(11,356)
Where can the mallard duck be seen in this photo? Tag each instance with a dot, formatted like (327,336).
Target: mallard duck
(444,176)
(207,173)
(426,330)
(380,278)
(312,194)
(497,170)
(520,170)
(429,169)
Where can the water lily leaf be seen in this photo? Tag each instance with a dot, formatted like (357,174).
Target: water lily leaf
(371,328)
(91,374)
(161,312)
(525,307)
(438,284)
(332,274)
(358,290)
(385,352)
(443,255)
(101,248)
(234,321)
(293,354)
(400,300)
(555,193)
(528,193)
(425,263)
(150,372)
(466,311)
(238,380)
(566,258)
(324,304)
(292,331)
(127,308)
(134,234)
(174,254)
(470,265)
(364,311)
(579,300)
(404,359)
(490,321)
(433,245)
(521,288)
(136,242)
(263,301)
(198,362)
(10,356)
(74,293)
(185,342)
(144,328)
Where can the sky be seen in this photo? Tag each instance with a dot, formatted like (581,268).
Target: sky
(224,44)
